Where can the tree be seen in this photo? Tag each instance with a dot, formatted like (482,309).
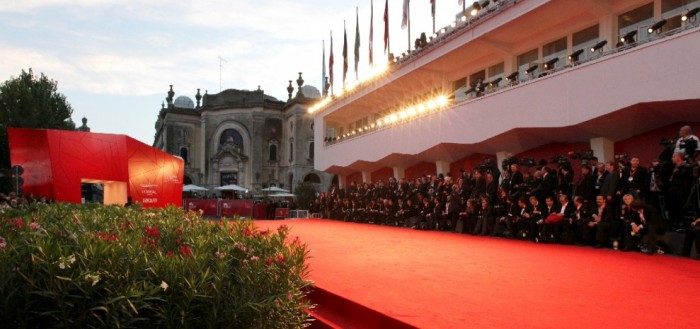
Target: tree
(28,101)
(305,195)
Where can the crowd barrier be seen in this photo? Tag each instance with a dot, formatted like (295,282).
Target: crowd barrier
(241,208)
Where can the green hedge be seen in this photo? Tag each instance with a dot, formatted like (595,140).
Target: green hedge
(76,266)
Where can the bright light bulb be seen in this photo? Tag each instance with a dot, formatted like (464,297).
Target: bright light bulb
(420,108)
(394,118)
(411,111)
(442,101)
(431,104)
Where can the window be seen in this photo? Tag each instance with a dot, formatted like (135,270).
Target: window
(291,149)
(555,49)
(637,19)
(525,60)
(311,150)
(184,154)
(232,137)
(273,152)
(585,39)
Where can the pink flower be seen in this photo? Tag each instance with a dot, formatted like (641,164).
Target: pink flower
(3,243)
(35,226)
(254,258)
(220,254)
(280,258)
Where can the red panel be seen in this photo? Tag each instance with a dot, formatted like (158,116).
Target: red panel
(155,177)
(208,207)
(79,155)
(30,150)
(383,174)
(421,169)
(230,208)
(56,161)
(356,177)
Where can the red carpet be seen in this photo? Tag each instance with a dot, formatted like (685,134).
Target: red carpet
(446,280)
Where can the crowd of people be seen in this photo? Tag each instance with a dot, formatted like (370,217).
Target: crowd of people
(617,204)
(13,200)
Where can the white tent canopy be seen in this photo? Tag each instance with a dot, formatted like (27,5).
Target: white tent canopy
(231,187)
(193,188)
(275,189)
(281,195)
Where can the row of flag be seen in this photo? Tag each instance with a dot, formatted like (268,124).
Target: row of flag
(405,22)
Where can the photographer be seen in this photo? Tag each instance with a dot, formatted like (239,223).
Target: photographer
(679,185)
(692,235)
(635,179)
(687,143)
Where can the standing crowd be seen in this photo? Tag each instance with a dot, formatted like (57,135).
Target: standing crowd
(621,205)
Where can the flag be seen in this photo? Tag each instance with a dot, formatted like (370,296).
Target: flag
(386,25)
(371,32)
(404,21)
(432,8)
(345,54)
(357,40)
(330,63)
(323,69)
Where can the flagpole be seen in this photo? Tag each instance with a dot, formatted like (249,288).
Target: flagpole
(388,35)
(433,12)
(323,68)
(408,11)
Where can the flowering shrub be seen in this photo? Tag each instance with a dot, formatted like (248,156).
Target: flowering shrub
(97,266)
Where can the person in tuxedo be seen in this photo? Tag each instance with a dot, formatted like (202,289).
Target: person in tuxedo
(601,223)
(547,224)
(692,235)
(579,223)
(585,186)
(645,222)
(635,179)
(536,216)
(562,217)
(612,178)
(678,189)
(485,218)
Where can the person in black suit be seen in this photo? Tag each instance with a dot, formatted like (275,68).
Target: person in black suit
(585,186)
(635,179)
(536,216)
(546,225)
(601,223)
(549,183)
(579,223)
(645,223)
(562,218)
(485,219)
(609,187)
(692,235)
(678,189)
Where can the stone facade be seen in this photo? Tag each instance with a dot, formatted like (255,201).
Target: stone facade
(242,137)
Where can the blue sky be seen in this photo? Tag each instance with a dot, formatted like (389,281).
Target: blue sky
(115,59)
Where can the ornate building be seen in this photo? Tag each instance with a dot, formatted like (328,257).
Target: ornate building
(242,137)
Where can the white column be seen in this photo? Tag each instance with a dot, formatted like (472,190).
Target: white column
(500,156)
(366,176)
(399,172)
(442,167)
(603,148)
(342,180)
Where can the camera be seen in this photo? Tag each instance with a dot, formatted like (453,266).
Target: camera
(666,142)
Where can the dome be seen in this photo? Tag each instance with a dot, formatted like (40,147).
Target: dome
(184,102)
(310,91)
